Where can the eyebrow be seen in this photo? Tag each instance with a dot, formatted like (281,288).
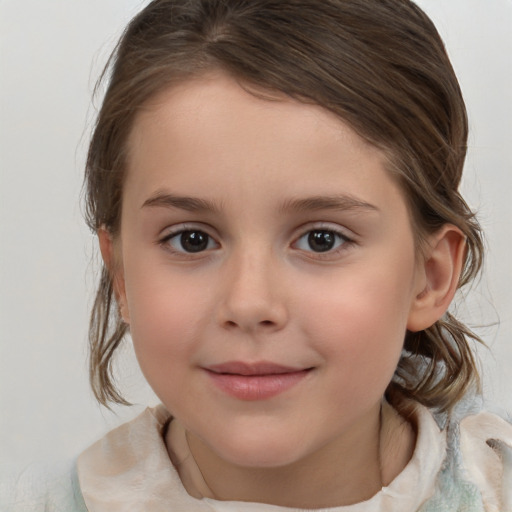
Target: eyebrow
(191,204)
(314,203)
(335,202)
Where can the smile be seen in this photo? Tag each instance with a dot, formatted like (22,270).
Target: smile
(255,381)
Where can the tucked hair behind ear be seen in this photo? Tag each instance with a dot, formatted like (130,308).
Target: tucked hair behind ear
(379,65)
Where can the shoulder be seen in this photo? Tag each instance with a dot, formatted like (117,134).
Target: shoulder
(486,456)
(469,453)
(42,488)
(131,465)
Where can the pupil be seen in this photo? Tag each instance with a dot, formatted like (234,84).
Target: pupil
(321,241)
(194,241)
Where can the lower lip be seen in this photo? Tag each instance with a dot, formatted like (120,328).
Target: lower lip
(256,387)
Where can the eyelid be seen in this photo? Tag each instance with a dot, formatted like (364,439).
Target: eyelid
(173,231)
(348,237)
(327,226)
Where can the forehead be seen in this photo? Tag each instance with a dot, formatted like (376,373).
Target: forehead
(211,129)
(218,97)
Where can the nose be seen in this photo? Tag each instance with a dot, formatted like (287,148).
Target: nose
(253,293)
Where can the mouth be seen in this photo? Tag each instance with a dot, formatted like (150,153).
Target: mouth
(252,369)
(255,381)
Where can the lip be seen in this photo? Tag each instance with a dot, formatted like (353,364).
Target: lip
(255,381)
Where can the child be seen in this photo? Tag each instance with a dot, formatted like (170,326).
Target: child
(274,185)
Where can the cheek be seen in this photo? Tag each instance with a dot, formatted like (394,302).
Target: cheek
(165,317)
(359,326)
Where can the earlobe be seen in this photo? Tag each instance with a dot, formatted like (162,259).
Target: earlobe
(439,277)
(114,267)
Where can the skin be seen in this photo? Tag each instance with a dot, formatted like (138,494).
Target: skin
(260,292)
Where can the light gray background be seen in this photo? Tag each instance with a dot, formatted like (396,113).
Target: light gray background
(51,53)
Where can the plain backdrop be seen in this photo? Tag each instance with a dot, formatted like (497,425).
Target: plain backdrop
(51,53)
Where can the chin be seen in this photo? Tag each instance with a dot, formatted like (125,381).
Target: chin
(260,451)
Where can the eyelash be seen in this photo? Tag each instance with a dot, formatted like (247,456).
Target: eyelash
(340,241)
(165,241)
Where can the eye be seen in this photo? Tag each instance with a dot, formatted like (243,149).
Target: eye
(321,240)
(190,241)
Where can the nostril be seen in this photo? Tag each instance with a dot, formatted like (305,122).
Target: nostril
(263,323)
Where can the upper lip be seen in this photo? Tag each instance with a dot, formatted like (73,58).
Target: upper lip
(257,368)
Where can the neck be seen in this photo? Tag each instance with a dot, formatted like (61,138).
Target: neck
(350,470)
(345,471)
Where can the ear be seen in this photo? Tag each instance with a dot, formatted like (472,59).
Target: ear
(438,278)
(115,269)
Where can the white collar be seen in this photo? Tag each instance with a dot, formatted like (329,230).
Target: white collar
(129,470)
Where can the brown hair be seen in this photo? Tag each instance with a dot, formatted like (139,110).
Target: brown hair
(380,65)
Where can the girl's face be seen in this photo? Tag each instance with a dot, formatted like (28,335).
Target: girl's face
(267,269)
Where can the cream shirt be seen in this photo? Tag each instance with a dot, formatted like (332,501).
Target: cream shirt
(130,470)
